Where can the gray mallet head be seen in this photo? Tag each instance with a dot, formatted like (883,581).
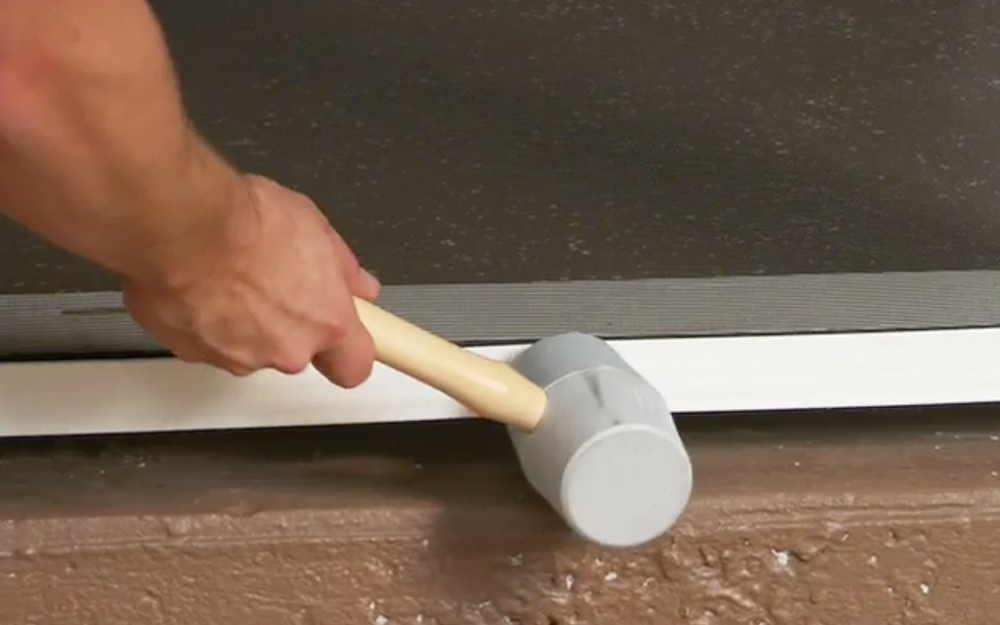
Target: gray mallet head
(606,454)
(599,444)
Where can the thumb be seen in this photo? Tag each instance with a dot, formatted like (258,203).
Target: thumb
(360,282)
(349,361)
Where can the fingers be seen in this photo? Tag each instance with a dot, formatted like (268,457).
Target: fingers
(359,281)
(191,352)
(194,354)
(348,361)
(367,286)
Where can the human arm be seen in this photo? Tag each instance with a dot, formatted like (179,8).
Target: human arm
(98,156)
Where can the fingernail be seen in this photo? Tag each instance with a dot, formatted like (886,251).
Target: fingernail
(370,281)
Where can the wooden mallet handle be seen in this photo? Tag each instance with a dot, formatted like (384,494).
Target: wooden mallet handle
(493,390)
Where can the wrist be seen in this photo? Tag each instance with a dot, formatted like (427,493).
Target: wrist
(208,204)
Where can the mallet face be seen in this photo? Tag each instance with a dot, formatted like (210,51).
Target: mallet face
(606,455)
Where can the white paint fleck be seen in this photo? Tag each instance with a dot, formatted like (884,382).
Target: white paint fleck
(371,606)
(872,560)
(516,560)
(995,438)
(381,620)
(924,588)
(420,618)
(798,464)
(568,581)
(610,577)
(993,473)
(782,557)
(425,542)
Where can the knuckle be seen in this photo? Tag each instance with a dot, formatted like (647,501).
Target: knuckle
(241,367)
(292,363)
(355,378)
(238,370)
(335,328)
(345,370)
(356,372)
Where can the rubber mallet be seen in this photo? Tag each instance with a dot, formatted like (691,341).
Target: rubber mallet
(593,437)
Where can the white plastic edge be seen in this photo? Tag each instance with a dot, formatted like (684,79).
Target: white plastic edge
(718,374)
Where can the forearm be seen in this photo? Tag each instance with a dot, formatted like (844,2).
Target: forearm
(96,153)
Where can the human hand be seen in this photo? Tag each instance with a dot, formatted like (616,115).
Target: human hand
(274,291)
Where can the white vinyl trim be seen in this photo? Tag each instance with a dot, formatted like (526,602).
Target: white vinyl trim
(716,374)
